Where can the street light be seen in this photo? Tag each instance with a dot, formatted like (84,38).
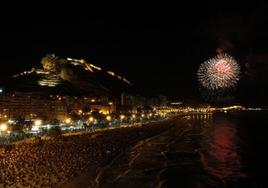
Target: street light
(108,118)
(122,117)
(91,119)
(133,118)
(68,120)
(38,122)
(3,127)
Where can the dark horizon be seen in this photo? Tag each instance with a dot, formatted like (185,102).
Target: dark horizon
(159,54)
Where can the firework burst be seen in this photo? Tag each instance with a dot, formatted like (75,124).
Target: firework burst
(219,73)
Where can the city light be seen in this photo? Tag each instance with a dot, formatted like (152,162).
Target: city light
(35,129)
(68,120)
(95,67)
(10,121)
(122,117)
(108,118)
(133,116)
(93,100)
(111,73)
(3,127)
(38,122)
(1,90)
(91,119)
(103,111)
(142,115)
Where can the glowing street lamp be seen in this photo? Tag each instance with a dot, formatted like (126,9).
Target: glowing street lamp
(108,118)
(133,116)
(91,119)
(3,127)
(38,122)
(142,115)
(122,117)
(68,120)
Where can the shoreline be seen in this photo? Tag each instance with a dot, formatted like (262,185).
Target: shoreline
(86,180)
(89,178)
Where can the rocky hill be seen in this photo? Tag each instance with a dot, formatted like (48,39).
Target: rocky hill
(67,76)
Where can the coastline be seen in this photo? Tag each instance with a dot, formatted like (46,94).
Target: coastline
(89,178)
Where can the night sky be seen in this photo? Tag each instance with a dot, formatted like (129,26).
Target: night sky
(158,50)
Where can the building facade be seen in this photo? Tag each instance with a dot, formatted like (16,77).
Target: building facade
(30,105)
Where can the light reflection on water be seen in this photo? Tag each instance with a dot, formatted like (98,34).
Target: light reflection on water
(201,151)
(221,156)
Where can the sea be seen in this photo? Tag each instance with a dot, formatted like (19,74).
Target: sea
(222,150)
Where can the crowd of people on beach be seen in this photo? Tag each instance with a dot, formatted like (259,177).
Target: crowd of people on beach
(53,162)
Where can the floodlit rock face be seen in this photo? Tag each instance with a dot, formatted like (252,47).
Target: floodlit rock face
(68,75)
(49,62)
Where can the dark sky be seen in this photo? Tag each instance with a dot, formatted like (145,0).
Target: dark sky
(158,50)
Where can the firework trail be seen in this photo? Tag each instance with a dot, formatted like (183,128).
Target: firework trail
(219,73)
